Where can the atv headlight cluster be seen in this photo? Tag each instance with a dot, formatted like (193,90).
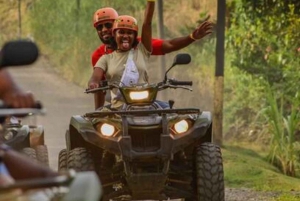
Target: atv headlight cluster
(107,129)
(181,126)
(139,95)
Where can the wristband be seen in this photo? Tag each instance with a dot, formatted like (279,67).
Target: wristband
(192,37)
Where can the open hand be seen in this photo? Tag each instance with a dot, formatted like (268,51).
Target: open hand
(204,29)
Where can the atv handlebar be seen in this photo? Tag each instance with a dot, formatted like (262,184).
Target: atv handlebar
(170,83)
(97,89)
(21,112)
(176,83)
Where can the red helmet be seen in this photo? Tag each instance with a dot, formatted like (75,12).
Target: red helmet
(125,22)
(104,14)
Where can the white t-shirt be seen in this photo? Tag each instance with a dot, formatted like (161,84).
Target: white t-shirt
(114,64)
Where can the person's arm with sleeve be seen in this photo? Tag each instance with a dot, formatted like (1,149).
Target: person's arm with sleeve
(96,78)
(12,95)
(161,47)
(146,37)
(96,56)
(98,73)
(99,97)
(94,82)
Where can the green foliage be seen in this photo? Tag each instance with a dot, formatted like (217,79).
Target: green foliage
(264,39)
(243,98)
(244,167)
(284,149)
(287,197)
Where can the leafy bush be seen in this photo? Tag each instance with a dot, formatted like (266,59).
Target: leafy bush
(243,98)
(284,148)
(265,41)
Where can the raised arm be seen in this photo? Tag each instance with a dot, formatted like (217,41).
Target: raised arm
(175,44)
(147,29)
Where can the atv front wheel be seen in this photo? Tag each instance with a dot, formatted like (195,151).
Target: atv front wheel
(30,152)
(209,172)
(80,159)
(42,154)
(63,160)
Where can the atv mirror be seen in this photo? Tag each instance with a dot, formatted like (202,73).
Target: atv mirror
(179,60)
(17,53)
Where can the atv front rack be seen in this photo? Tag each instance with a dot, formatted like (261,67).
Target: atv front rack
(143,112)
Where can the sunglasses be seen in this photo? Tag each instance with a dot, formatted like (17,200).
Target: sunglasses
(107,25)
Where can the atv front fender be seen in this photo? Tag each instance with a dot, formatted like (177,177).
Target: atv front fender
(20,137)
(126,144)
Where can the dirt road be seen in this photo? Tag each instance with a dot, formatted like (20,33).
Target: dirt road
(61,99)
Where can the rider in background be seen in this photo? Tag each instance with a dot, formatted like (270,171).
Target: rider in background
(103,22)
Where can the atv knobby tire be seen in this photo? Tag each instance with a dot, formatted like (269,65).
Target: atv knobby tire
(209,172)
(80,159)
(63,160)
(30,152)
(42,155)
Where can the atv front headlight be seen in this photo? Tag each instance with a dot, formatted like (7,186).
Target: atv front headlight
(107,129)
(139,95)
(181,126)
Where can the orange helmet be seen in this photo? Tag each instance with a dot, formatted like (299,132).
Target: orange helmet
(125,22)
(104,14)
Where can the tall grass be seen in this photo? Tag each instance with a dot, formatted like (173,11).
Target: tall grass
(283,125)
